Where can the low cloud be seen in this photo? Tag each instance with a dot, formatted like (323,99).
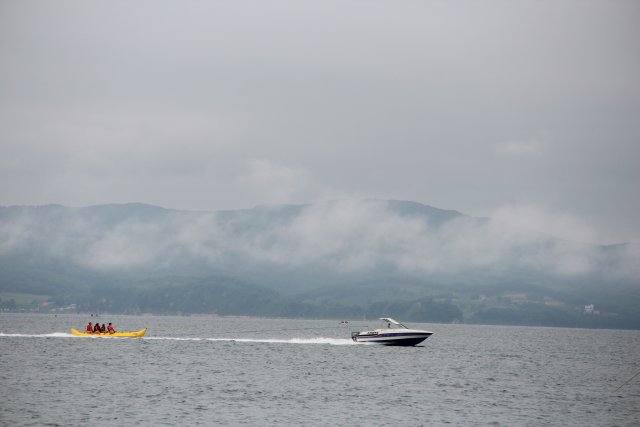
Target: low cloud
(358,236)
(563,225)
(345,237)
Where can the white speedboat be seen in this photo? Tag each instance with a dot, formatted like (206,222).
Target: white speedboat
(395,333)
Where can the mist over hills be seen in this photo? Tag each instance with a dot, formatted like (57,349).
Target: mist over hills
(349,259)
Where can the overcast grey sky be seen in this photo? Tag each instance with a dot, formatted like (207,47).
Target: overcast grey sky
(528,110)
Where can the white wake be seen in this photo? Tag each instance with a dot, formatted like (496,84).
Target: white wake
(321,340)
(51,335)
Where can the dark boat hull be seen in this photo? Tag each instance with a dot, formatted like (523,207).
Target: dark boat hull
(404,342)
(392,339)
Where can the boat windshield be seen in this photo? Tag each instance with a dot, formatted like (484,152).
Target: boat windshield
(389,323)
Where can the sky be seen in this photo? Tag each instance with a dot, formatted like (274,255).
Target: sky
(526,111)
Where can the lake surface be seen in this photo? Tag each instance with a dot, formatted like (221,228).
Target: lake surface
(248,371)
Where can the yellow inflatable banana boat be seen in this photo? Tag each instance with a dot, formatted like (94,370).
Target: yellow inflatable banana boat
(123,334)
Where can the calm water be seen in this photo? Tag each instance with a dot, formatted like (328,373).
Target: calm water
(235,371)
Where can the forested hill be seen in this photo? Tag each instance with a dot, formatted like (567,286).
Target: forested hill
(336,259)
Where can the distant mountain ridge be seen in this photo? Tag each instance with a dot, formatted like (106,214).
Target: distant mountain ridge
(320,259)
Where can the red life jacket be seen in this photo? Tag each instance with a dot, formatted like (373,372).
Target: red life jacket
(96,328)
(111,330)
(89,328)
(103,328)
